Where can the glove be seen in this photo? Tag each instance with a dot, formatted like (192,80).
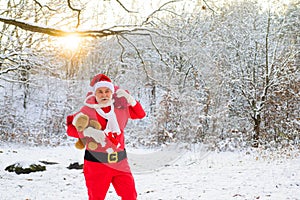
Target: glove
(128,97)
(98,135)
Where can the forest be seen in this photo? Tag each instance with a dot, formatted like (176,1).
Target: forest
(222,73)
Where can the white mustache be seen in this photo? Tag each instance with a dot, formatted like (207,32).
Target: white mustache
(100,100)
(104,99)
(108,103)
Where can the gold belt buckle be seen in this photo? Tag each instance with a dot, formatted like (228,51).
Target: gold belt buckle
(112,157)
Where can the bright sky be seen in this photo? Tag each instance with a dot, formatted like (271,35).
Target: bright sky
(107,13)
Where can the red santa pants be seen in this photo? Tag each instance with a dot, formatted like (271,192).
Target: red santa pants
(98,177)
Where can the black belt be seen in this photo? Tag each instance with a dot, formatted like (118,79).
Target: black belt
(105,157)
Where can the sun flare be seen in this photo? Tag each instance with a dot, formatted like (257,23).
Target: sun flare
(70,42)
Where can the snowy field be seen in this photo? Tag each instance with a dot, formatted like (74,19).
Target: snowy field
(167,175)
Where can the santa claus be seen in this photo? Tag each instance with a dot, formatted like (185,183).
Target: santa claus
(100,124)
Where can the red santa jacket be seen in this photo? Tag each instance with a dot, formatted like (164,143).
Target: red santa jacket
(123,112)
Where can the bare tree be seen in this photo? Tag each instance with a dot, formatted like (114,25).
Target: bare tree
(257,59)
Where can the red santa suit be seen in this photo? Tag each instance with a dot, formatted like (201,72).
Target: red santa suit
(107,163)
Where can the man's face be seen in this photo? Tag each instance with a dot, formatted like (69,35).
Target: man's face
(103,95)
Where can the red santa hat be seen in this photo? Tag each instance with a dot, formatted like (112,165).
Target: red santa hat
(101,80)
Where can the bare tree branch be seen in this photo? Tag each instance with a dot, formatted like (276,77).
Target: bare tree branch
(76,10)
(160,9)
(60,33)
(123,49)
(125,7)
(41,6)
(136,49)
(209,6)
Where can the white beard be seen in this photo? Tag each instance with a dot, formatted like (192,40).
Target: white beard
(103,105)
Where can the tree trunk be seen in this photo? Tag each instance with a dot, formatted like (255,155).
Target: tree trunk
(255,137)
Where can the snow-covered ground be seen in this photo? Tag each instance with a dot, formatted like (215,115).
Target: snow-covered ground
(168,175)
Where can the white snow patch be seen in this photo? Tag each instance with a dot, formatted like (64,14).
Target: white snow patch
(189,175)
